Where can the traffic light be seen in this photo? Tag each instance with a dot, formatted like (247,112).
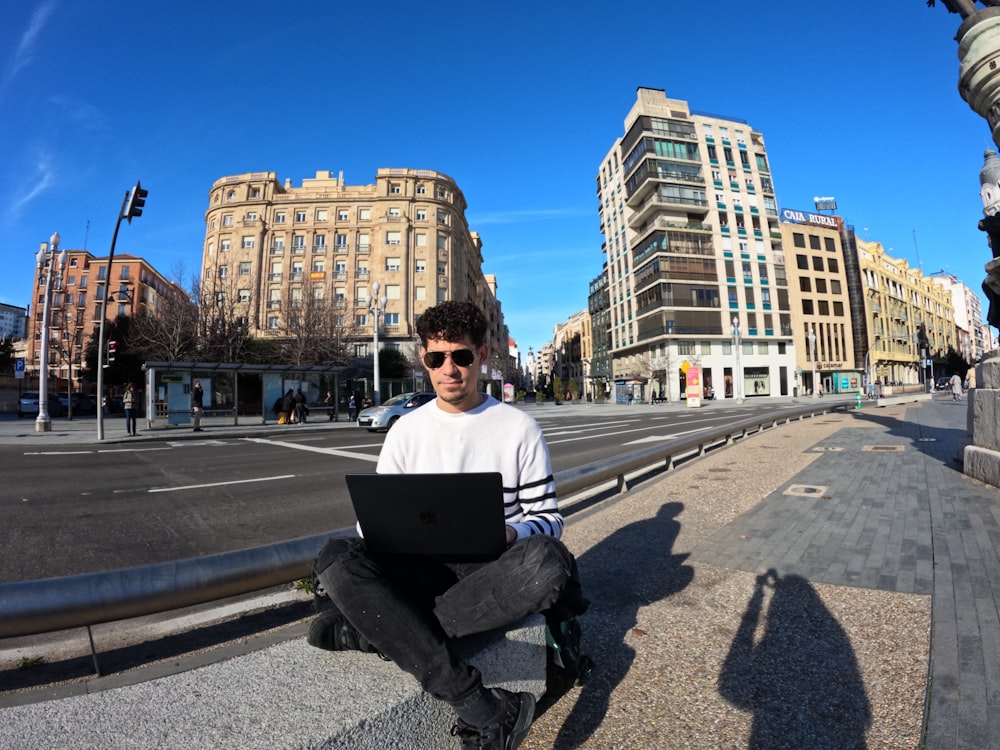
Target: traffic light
(112,349)
(136,200)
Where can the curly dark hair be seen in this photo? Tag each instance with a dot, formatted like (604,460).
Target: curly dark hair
(451,321)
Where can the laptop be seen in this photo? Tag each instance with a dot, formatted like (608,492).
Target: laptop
(448,516)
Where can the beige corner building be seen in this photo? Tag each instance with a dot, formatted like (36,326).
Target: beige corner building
(909,317)
(273,245)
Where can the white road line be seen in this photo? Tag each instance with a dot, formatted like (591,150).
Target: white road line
(130,450)
(626,432)
(661,438)
(55,453)
(315,449)
(219,484)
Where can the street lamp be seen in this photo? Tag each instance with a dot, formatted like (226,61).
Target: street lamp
(738,375)
(376,306)
(812,348)
(46,253)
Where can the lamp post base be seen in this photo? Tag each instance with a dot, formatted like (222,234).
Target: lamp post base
(43,425)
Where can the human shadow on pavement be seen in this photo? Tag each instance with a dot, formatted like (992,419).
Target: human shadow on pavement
(631,568)
(801,679)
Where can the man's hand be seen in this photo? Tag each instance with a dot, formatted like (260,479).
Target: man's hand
(511,535)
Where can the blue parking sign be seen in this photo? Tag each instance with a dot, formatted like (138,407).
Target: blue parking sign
(19,367)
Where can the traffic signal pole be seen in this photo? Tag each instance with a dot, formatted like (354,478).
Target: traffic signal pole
(132,205)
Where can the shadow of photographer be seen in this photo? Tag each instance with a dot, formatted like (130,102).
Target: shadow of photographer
(631,568)
(801,679)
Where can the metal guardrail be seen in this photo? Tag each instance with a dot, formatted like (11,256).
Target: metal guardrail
(50,604)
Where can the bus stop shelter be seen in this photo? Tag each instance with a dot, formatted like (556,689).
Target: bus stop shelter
(233,389)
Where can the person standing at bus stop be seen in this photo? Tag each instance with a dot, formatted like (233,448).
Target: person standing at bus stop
(197,405)
(128,403)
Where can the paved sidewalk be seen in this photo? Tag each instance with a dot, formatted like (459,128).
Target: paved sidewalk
(814,586)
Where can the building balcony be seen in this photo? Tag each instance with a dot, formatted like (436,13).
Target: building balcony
(277,249)
(364,248)
(657,202)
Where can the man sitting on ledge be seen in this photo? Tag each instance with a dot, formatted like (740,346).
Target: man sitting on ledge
(410,609)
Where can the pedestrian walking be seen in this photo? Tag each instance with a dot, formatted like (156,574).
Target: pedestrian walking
(956,387)
(288,406)
(128,402)
(197,405)
(351,408)
(330,405)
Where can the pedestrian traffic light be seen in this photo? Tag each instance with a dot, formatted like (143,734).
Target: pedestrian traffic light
(112,349)
(136,200)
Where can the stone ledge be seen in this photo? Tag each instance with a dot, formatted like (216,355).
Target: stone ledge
(286,696)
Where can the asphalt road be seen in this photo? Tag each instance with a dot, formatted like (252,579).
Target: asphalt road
(99,507)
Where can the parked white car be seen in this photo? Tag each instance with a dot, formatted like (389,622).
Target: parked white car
(384,416)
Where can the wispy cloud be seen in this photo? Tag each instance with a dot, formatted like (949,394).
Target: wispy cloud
(524,215)
(42,177)
(25,52)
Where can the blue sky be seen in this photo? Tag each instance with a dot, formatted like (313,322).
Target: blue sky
(518,102)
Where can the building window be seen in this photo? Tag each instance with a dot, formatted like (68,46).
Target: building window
(393,238)
(251,216)
(802,262)
(342,214)
(421,240)
(319,241)
(813,242)
(807,307)
(420,292)
(272,322)
(823,306)
(243,295)
(821,286)
(364,214)
(299,241)
(421,190)
(225,245)
(279,218)
(244,268)
(834,286)
(392,264)
(320,214)
(300,216)
(392,291)
(421,265)
(798,239)
(394,188)
(817,263)
(831,246)
(805,285)
(227,220)
(421,214)
(248,243)
(832,264)
(391,319)
(361,320)
(838,309)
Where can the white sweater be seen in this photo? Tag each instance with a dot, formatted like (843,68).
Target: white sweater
(491,437)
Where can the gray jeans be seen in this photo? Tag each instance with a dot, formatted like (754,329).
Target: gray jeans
(410,608)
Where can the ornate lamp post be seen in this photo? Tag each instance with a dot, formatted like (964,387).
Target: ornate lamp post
(812,349)
(376,306)
(46,254)
(738,375)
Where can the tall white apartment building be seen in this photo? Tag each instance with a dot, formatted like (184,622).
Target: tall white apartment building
(692,242)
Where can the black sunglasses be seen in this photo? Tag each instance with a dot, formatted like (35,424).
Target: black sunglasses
(461,357)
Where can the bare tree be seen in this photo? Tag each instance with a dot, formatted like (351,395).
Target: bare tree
(222,324)
(313,329)
(167,331)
